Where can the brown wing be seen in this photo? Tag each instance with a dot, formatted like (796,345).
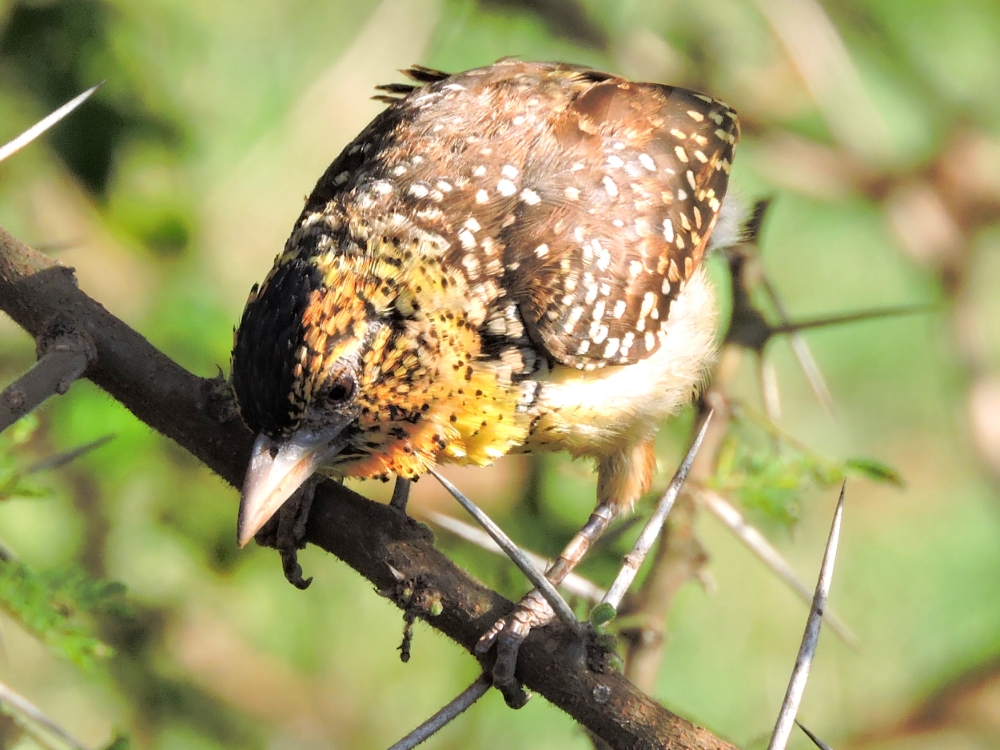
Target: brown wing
(584,199)
(617,203)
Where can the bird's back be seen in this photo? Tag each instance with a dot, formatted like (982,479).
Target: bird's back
(526,230)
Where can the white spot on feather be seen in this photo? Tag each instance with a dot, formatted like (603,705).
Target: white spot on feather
(506,188)
(530,197)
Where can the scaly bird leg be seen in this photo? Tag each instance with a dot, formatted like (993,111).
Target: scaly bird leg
(533,611)
(622,478)
(653,527)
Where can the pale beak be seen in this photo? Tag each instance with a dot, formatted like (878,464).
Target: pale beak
(277,469)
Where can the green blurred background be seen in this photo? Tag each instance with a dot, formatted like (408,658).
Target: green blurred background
(875,126)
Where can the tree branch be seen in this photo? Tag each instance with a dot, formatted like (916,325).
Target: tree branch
(62,359)
(393,552)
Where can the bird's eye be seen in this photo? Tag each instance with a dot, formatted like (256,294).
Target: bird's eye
(343,388)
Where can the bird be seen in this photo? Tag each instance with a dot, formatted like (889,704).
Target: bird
(505,260)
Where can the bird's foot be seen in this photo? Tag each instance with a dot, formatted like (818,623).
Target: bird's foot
(400,494)
(508,633)
(218,399)
(286,532)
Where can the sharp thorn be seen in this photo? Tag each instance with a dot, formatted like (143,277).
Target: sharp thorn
(12,147)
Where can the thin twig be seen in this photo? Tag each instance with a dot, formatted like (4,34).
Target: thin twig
(651,531)
(573,583)
(810,638)
(25,708)
(769,388)
(680,556)
(545,588)
(59,460)
(802,351)
(64,360)
(834,320)
(816,740)
(758,544)
(12,147)
(822,59)
(449,713)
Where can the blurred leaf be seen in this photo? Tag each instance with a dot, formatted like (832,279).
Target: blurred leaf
(120,742)
(191,325)
(20,432)
(149,200)
(92,415)
(14,482)
(51,605)
(875,470)
(14,485)
(470,31)
(769,471)
(767,481)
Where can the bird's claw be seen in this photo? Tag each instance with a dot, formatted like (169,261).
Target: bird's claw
(508,633)
(286,532)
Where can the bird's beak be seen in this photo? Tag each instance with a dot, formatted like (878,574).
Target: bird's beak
(277,469)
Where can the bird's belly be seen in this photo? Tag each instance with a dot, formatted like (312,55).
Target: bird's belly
(599,412)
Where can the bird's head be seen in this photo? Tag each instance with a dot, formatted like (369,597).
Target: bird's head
(308,345)
(354,357)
